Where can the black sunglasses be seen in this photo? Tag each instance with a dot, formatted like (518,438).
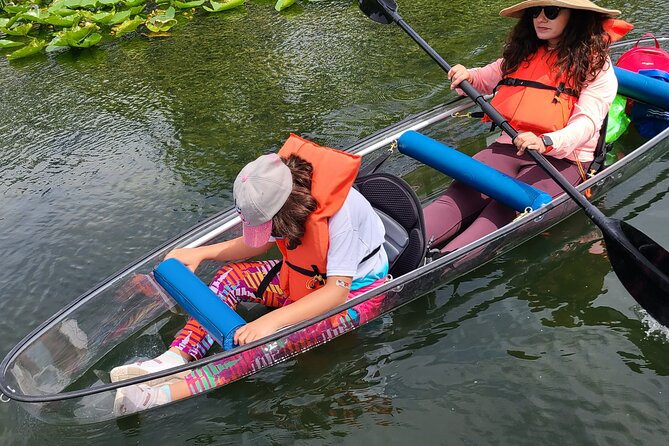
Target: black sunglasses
(551,12)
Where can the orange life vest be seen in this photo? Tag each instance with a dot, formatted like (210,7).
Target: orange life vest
(303,269)
(532,100)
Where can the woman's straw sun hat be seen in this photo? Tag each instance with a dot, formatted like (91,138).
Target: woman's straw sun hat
(517,10)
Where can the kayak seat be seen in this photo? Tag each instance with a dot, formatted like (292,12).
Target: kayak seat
(400,211)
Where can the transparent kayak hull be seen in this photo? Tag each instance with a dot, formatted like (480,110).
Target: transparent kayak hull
(60,372)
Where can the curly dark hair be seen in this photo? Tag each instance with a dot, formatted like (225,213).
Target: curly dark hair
(581,53)
(291,219)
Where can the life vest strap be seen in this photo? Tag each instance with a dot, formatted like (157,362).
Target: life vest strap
(313,273)
(268,279)
(515,82)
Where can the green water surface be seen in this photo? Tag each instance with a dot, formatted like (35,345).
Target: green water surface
(109,151)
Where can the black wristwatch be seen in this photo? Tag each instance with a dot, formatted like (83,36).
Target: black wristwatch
(548,142)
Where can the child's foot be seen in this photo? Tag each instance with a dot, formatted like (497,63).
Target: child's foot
(163,362)
(139,397)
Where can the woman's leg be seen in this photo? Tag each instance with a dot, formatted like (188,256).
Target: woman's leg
(462,204)
(495,215)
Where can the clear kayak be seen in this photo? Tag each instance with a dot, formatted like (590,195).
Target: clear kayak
(59,373)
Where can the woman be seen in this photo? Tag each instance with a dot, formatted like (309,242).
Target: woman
(555,84)
(332,245)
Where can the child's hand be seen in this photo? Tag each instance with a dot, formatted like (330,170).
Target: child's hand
(255,330)
(191,257)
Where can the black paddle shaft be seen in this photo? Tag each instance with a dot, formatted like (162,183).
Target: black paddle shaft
(638,261)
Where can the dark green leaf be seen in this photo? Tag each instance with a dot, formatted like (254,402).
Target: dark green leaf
(33,47)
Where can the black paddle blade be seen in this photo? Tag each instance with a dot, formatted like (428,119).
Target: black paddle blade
(379,10)
(642,266)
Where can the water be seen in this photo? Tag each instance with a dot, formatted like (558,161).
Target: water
(110,151)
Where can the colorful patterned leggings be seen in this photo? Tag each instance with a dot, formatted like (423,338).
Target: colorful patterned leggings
(236,282)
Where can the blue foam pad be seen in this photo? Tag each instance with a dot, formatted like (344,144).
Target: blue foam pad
(643,88)
(199,301)
(493,183)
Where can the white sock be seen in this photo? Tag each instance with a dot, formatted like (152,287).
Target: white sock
(170,357)
(164,394)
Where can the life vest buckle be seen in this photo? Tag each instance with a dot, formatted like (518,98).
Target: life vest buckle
(315,281)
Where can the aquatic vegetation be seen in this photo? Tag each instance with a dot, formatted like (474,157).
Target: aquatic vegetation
(29,27)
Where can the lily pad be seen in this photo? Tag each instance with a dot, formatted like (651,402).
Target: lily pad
(78,37)
(74,4)
(61,11)
(6,43)
(20,30)
(161,22)
(119,17)
(188,5)
(128,26)
(67,21)
(224,5)
(134,2)
(35,15)
(16,9)
(33,47)
(100,17)
(283,4)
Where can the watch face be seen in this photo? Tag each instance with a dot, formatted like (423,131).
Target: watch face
(547,141)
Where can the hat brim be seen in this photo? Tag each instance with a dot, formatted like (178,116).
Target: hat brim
(516,11)
(257,236)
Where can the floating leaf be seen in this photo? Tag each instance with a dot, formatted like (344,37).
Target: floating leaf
(224,5)
(74,4)
(33,47)
(78,37)
(161,22)
(283,4)
(89,41)
(136,9)
(134,2)
(56,42)
(188,5)
(119,17)
(20,30)
(56,5)
(5,43)
(109,2)
(16,9)
(101,17)
(127,26)
(62,11)
(35,15)
(66,21)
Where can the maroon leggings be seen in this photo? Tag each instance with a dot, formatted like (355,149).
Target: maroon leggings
(462,205)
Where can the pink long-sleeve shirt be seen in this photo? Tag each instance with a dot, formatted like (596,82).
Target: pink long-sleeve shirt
(579,138)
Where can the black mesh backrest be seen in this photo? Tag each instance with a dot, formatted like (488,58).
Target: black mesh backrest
(395,198)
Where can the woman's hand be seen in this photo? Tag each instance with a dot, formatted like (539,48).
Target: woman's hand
(191,257)
(458,74)
(528,140)
(255,330)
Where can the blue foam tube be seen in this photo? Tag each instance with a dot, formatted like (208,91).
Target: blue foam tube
(199,301)
(643,88)
(493,183)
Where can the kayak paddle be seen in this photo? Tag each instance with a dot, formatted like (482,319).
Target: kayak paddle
(639,262)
